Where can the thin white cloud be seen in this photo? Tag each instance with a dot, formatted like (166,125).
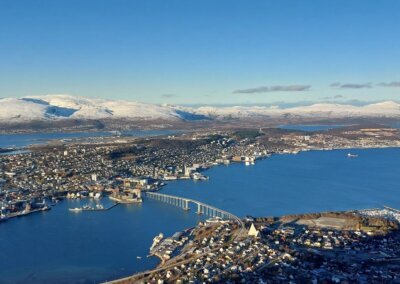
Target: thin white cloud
(351,85)
(168,96)
(269,89)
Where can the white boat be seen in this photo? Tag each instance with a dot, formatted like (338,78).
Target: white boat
(97,195)
(352,155)
(76,209)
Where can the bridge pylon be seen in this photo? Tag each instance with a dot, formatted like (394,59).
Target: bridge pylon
(186,205)
(199,211)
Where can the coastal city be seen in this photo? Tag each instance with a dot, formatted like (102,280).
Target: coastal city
(123,166)
(281,250)
(299,248)
(174,142)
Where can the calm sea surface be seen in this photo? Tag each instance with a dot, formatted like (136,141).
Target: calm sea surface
(22,140)
(59,246)
(307,182)
(63,247)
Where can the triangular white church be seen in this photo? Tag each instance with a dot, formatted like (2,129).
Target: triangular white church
(253,232)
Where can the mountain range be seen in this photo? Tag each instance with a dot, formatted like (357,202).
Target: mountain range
(66,107)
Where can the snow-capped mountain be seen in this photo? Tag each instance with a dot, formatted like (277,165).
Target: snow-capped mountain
(55,107)
(60,107)
(388,109)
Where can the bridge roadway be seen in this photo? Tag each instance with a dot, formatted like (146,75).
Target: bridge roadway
(202,208)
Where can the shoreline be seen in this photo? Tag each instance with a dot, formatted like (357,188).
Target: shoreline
(348,215)
(263,158)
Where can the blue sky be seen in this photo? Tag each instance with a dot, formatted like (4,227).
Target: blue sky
(201,51)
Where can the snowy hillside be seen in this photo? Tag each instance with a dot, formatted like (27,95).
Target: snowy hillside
(382,109)
(58,107)
(53,107)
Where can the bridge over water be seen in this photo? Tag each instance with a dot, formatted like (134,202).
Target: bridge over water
(184,203)
(202,208)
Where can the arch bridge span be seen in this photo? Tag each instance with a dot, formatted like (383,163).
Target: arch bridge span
(202,208)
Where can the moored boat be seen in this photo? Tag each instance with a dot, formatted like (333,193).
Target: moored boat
(76,209)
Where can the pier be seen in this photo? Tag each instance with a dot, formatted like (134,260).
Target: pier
(93,209)
(202,208)
(24,213)
(101,209)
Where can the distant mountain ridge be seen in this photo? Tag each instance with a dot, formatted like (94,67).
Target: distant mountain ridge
(64,107)
(385,109)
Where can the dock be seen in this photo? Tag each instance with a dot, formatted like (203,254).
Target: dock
(21,214)
(95,209)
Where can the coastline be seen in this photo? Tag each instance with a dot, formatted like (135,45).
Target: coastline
(121,280)
(306,150)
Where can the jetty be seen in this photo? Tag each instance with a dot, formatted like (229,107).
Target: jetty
(93,209)
(25,213)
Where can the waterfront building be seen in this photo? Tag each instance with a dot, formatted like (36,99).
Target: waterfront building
(186,170)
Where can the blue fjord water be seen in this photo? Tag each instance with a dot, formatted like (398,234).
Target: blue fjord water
(307,182)
(64,247)
(22,140)
(59,246)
